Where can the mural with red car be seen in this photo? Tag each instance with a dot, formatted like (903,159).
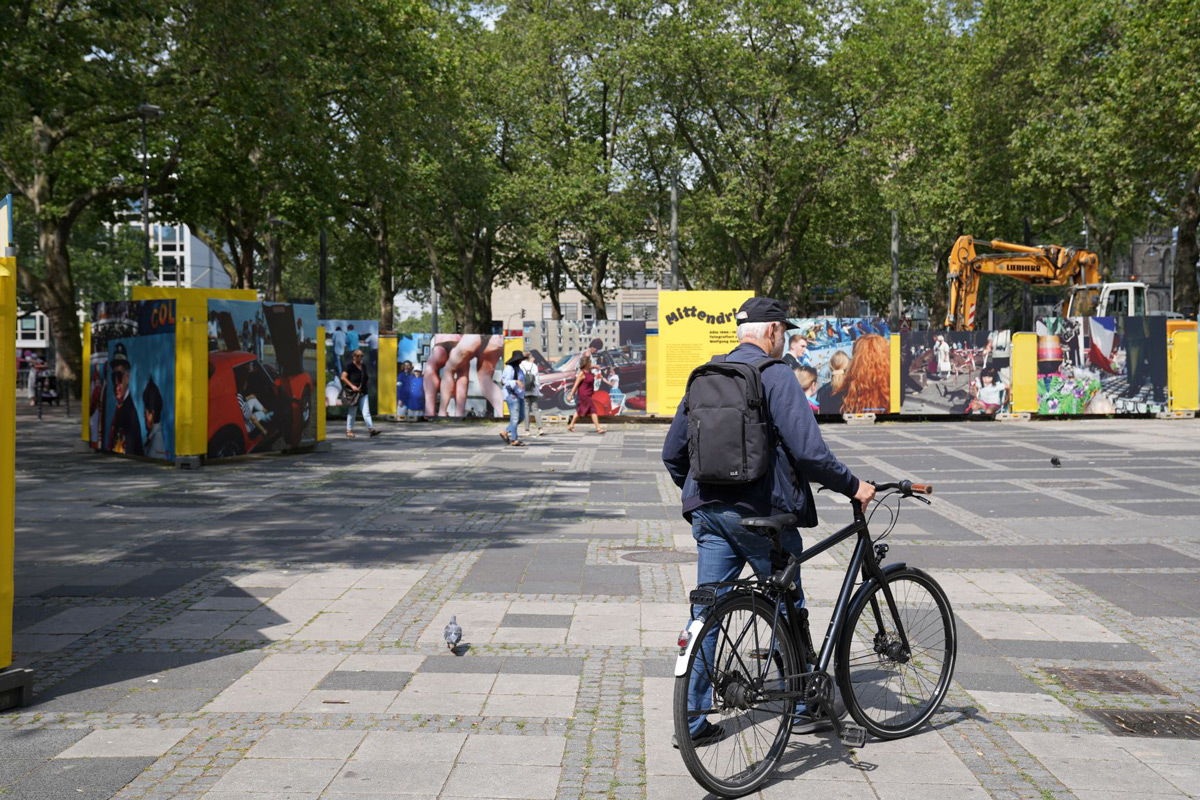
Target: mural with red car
(262,377)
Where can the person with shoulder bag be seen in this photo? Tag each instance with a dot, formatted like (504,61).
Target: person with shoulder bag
(533,391)
(354,393)
(744,443)
(514,395)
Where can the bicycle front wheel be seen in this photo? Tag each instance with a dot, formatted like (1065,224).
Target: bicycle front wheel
(732,664)
(891,690)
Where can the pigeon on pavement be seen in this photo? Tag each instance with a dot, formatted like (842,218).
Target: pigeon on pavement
(453,633)
(1054,461)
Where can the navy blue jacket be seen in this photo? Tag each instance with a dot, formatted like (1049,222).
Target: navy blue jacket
(800,454)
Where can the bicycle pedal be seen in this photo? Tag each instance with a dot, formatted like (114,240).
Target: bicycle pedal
(853,735)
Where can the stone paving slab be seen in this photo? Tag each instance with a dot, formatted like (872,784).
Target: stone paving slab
(229,633)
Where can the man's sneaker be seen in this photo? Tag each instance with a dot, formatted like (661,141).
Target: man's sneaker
(706,736)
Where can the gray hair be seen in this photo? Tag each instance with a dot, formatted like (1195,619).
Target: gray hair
(753,330)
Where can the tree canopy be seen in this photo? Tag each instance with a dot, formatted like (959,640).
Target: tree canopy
(465,145)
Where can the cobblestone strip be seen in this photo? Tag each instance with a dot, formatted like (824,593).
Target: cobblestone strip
(406,621)
(605,749)
(192,767)
(1002,766)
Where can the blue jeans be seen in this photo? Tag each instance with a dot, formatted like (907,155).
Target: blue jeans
(516,415)
(724,548)
(364,403)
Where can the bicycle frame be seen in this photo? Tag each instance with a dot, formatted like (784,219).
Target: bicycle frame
(779,586)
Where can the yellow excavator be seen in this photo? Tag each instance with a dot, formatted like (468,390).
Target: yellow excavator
(1041,265)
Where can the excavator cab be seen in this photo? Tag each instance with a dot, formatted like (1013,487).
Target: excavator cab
(1122,299)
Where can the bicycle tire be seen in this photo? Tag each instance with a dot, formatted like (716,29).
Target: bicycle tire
(889,696)
(754,737)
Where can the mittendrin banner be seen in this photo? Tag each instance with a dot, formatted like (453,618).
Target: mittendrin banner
(692,328)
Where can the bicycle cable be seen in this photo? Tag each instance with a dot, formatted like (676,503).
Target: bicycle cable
(893,516)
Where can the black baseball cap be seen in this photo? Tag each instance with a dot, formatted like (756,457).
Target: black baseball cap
(763,309)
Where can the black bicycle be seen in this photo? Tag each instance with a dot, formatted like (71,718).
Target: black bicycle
(749,646)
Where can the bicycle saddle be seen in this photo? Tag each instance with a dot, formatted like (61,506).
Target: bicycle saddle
(775,523)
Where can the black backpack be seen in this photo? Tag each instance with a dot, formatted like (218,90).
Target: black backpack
(730,435)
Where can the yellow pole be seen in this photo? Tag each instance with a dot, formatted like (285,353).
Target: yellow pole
(321,382)
(385,392)
(85,380)
(652,376)
(1183,377)
(894,368)
(1024,373)
(8,427)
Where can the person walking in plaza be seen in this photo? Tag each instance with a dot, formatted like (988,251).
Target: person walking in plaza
(355,388)
(798,454)
(584,388)
(533,390)
(514,395)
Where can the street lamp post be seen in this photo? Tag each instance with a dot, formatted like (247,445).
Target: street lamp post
(146,111)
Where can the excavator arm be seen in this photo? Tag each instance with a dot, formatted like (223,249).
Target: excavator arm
(1044,265)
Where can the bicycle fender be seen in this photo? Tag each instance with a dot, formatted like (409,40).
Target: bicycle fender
(681,661)
(871,583)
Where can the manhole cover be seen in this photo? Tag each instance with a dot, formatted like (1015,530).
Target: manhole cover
(1159,724)
(1108,681)
(659,557)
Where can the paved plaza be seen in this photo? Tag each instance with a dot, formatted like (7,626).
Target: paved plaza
(271,629)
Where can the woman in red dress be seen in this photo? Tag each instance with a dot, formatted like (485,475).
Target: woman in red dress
(585,386)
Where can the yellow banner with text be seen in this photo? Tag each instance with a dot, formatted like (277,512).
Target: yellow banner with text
(692,328)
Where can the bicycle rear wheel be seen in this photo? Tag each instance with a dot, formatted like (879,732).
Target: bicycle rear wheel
(889,691)
(737,662)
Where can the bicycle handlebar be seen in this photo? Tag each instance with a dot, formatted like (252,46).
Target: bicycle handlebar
(906,488)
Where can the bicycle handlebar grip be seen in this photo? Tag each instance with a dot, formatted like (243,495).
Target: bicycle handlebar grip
(922,488)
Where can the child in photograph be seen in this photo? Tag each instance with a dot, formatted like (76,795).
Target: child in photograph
(152,409)
(989,393)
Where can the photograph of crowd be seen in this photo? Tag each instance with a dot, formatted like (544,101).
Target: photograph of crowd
(1102,365)
(342,338)
(616,349)
(955,372)
(132,378)
(842,363)
(262,377)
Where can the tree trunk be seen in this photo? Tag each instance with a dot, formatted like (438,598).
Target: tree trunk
(246,244)
(275,274)
(383,256)
(1187,249)
(556,271)
(55,296)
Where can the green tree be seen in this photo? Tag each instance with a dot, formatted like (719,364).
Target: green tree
(72,75)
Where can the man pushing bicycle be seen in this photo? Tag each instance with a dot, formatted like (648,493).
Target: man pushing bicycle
(745,443)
